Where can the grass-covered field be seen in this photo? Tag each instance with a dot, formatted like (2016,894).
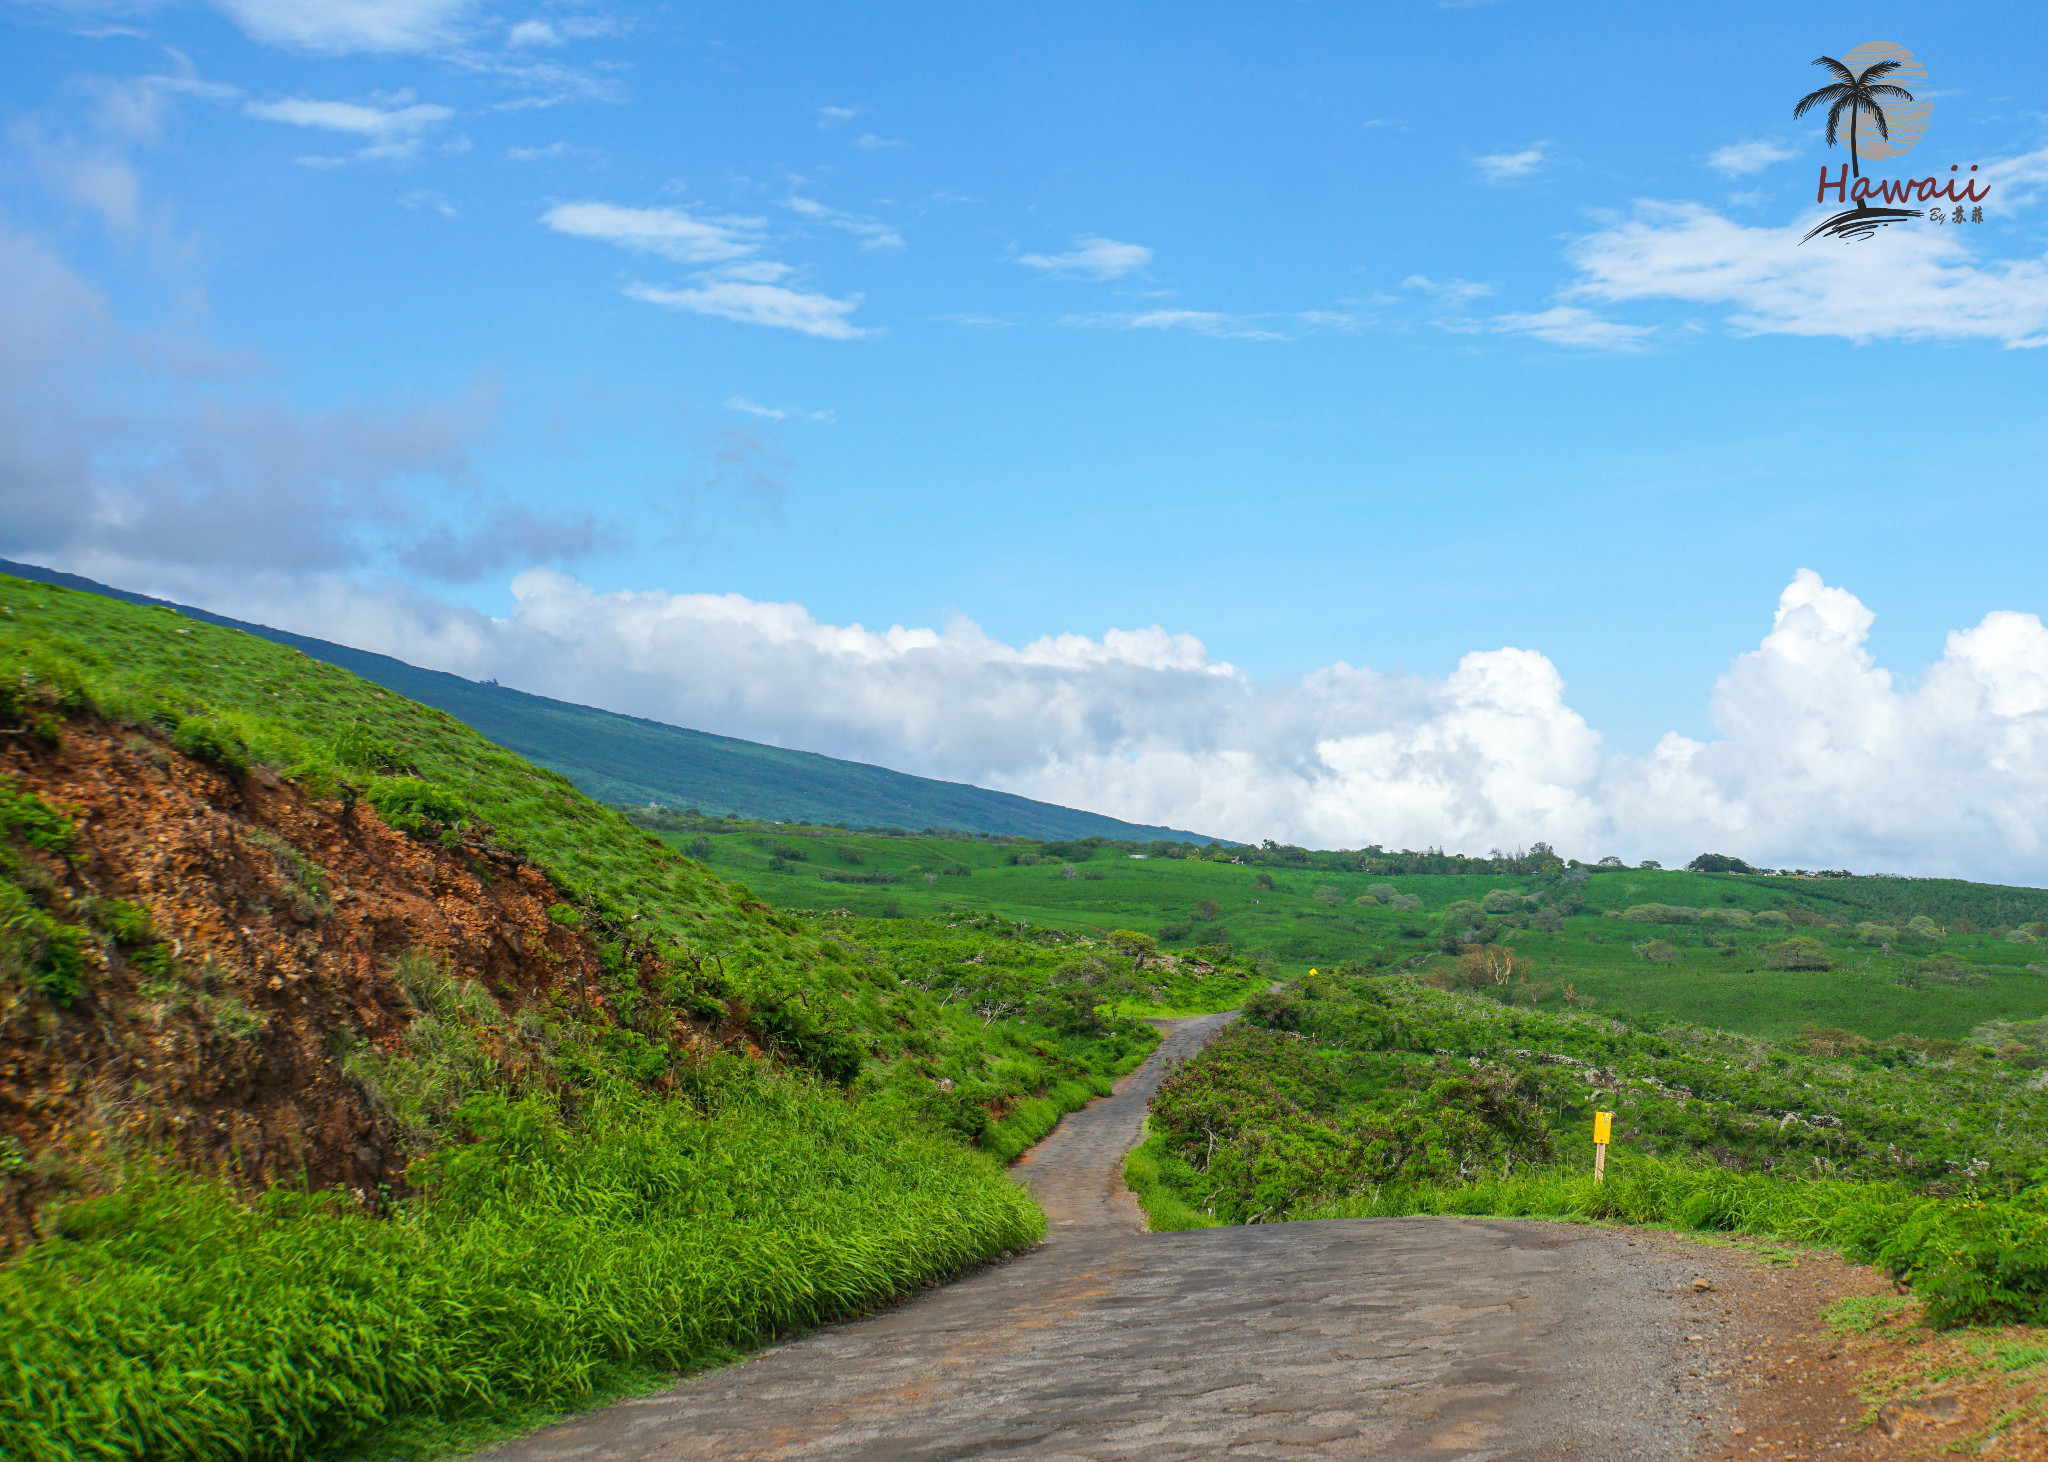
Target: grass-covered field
(1569,927)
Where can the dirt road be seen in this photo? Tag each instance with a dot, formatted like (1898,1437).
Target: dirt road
(1392,1338)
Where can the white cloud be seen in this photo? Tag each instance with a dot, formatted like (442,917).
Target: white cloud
(873,142)
(428,199)
(1272,325)
(363,121)
(1451,291)
(395,130)
(737,287)
(1512,167)
(1739,158)
(872,232)
(1822,758)
(1911,282)
(533,33)
(1199,322)
(1092,258)
(544,154)
(759,304)
(1570,325)
(775,413)
(673,233)
(833,116)
(338,27)
(157,448)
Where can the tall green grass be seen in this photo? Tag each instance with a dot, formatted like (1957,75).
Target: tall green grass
(172,1319)
(1158,1179)
(1974,1260)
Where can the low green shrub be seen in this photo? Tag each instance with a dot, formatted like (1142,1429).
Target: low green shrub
(1157,1178)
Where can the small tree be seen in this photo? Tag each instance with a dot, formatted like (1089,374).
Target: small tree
(1329,897)
(1140,947)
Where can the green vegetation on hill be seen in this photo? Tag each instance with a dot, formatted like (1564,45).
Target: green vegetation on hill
(1764,955)
(626,759)
(604,1184)
(1360,1095)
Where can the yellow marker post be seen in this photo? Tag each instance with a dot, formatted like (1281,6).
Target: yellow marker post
(1603,1130)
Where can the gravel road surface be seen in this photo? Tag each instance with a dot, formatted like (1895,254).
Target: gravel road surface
(1372,1338)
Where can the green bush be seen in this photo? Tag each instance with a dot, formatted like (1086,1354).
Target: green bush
(1798,953)
(415,806)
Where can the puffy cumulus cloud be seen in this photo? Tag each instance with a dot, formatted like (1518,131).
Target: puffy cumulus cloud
(1823,758)
(125,447)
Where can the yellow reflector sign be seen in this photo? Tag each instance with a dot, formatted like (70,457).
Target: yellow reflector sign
(1603,1126)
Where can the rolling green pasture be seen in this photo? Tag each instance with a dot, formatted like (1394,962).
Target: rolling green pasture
(1711,976)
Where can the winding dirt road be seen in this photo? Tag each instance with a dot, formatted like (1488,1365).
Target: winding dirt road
(1375,1338)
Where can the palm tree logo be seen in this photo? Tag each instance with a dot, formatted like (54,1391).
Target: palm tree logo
(1854,92)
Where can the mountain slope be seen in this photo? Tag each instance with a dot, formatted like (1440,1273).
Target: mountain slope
(626,759)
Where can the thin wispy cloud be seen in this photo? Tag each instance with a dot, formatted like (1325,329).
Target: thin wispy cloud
(1092,258)
(836,116)
(429,200)
(1570,325)
(872,232)
(772,305)
(395,128)
(1216,324)
(367,121)
(551,151)
(672,233)
(343,27)
(775,413)
(533,33)
(1906,285)
(1513,167)
(1738,159)
(872,142)
(1451,291)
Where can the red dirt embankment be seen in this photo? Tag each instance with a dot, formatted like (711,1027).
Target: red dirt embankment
(283,916)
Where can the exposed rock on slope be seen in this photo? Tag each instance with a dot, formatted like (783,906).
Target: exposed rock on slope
(276,923)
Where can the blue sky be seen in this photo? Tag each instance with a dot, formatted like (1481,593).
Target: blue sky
(1374,336)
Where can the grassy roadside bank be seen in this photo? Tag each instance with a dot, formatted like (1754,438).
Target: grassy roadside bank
(413,1096)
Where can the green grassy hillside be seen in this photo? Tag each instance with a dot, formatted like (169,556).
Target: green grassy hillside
(680,1125)
(625,759)
(1585,936)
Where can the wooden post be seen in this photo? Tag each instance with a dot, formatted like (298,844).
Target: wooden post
(1603,1129)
